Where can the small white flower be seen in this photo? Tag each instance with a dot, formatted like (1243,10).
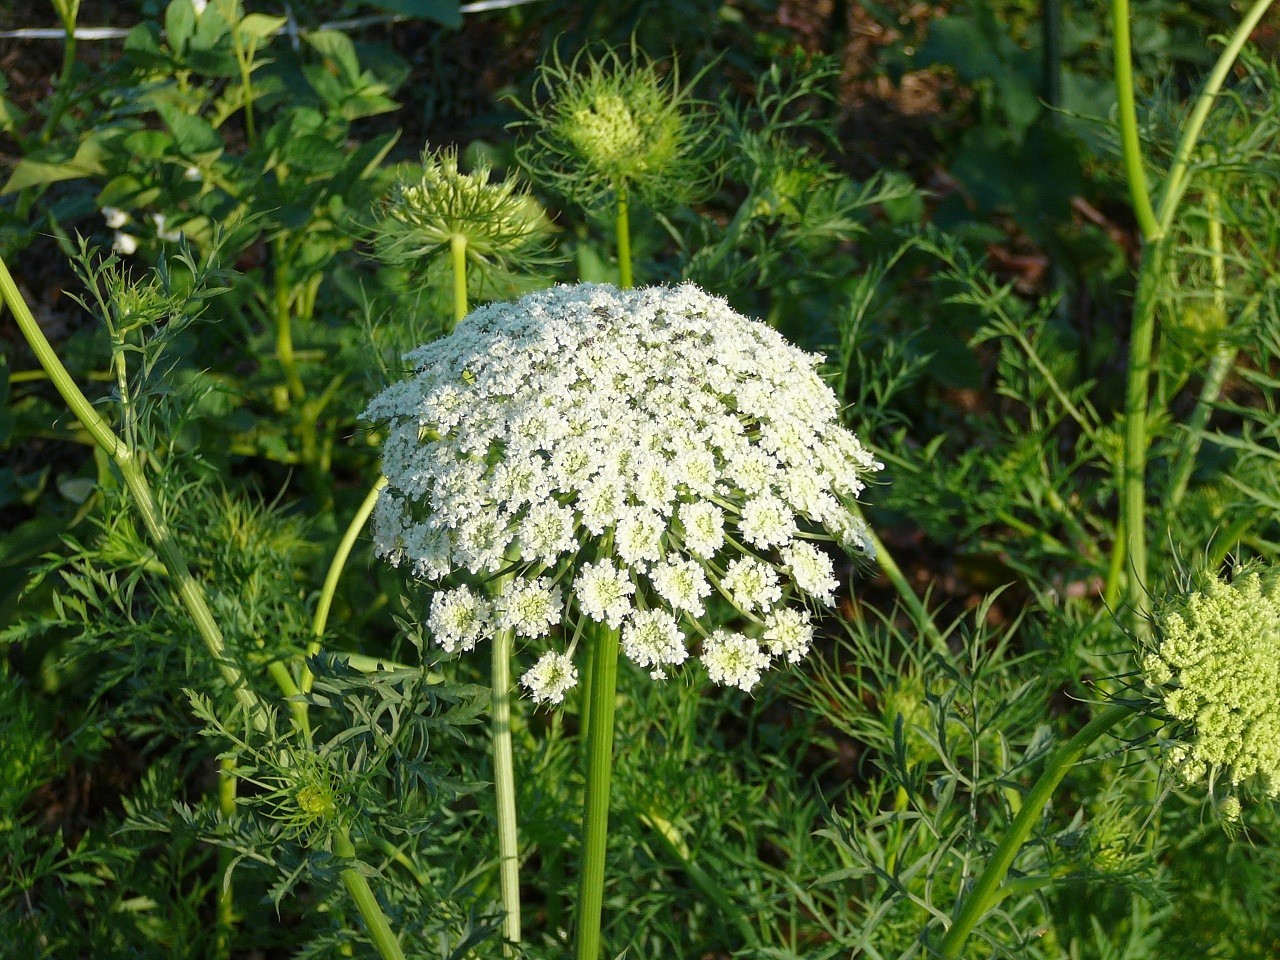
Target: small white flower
(459,618)
(703,525)
(639,537)
(733,659)
(652,638)
(550,678)
(193,174)
(114,217)
(812,571)
(546,532)
(788,633)
(530,607)
(767,522)
(124,243)
(168,236)
(752,584)
(604,592)
(683,584)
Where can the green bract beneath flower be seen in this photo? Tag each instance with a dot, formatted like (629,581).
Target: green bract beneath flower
(590,454)
(499,222)
(603,127)
(1216,667)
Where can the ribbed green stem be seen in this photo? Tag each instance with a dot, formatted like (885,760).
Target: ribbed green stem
(595,812)
(1134,464)
(986,892)
(226,892)
(623,223)
(336,566)
(284,321)
(504,778)
(1131,147)
(380,932)
(458,257)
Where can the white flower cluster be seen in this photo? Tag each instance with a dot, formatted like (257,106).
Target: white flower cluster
(620,456)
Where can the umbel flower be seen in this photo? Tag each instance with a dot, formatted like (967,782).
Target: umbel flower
(1216,669)
(593,455)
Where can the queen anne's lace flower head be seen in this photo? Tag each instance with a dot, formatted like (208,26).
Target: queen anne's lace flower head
(1216,670)
(620,457)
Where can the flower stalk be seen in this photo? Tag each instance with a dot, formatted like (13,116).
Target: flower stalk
(505,789)
(623,222)
(987,892)
(595,811)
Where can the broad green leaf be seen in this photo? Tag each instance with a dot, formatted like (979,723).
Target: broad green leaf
(87,162)
(258,26)
(179,24)
(191,134)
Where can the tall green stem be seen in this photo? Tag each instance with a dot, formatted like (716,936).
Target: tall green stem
(226,892)
(284,321)
(595,812)
(458,256)
(170,554)
(623,224)
(1131,147)
(986,892)
(504,778)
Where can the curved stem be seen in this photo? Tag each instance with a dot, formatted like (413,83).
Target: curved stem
(505,790)
(623,224)
(458,257)
(986,892)
(906,593)
(189,591)
(595,812)
(1130,144)
(1179,176)
(336,566)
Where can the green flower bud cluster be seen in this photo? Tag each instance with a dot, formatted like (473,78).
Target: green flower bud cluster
(1216,670)
(498,222)
(602,128)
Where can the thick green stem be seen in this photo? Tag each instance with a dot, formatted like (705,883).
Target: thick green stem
(986,892)
(380,932)
(458,257)
(1130,144)
(595,812)
(504,778)
(1134,463)
(336,566)
(623,223)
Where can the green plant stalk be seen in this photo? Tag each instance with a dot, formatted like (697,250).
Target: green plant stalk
(1179,175)
(1134,459)
(504,782)
(336,566)
(595,811)
(906,593)
(1223,359)
(131,472)
(68,13)
(384,939)
(1131,147)
(986,891)
(171,556)
(458,257)
(226,892)
(284,322)
(623,225)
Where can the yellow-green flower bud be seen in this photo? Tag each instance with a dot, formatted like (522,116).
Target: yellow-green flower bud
(1215,668)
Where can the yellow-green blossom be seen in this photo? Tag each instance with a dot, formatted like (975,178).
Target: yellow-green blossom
(1216,670)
